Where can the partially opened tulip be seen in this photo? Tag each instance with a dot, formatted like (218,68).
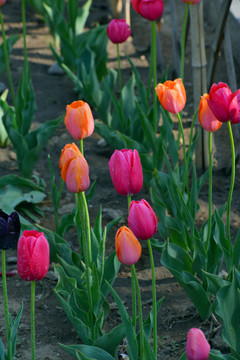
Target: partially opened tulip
(126,171)
(224,104)
(128,248)
(74,169)
(197,346)
(9,230)
(206,117)
(172,95)
(33,256)
(142,220)
(118,31)
(79,120)
(149,9)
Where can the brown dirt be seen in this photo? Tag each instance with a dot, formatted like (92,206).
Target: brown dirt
(53,93)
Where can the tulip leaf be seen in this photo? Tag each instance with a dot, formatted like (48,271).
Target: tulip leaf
(216,355)
(236,251)
(11,40)
(214,282)
(110,341)
(14,329)
(2,351)
(88,351)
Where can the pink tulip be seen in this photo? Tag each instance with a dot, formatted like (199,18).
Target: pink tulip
(33,255)
(118,31)
(192,2)
(142,219)
(206,118)
(128,248)
(126,171)
(197,346)
(2,2)
(224,104)
(149,9)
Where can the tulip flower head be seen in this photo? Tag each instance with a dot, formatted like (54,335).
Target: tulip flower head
(128,248)
(206,117)
(79,120)
(197,346)
(32,256)
(9,230)
(149,9)
(172,95)
(126,171)
(224,104)
(192,2)
(142,219)
(118,31)
(74,169)
(2,2)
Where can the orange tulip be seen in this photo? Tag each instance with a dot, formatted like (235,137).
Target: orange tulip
(79,120)
(172,95)
(74,169)
(128,248)
(206,117)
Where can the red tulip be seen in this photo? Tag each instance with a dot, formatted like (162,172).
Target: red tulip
(192,2)
(118,31)
(128,248)
(224,104)
(32,256)
(79,120)
(149,9)
(206,118)
(197,346)
(74,169)
(142,219)
(126,171)
(172,95)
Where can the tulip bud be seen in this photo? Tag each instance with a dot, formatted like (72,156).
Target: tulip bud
(9,230)
(33,256)
(149,9)
(128,248)
(79,120)
(172,95)
(126,171)
(74,169)
(142,219)
(118,31)
(224,104)
(197,346)
(192,2)
(206,118)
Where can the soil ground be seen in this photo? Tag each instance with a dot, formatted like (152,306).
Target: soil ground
(53,93)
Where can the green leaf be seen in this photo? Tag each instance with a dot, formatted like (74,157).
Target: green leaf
(111,268)
(216,355)
(236,251)
(88,351)
(2,351)
(11,40)
(215,282)
(82,16)
(110,341)
(14,329)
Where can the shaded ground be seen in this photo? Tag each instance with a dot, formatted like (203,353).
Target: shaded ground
(53,93)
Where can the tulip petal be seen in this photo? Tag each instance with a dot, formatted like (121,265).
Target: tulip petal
(40,258)
(128,248)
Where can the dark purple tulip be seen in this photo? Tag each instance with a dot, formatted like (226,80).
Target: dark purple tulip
(9,230)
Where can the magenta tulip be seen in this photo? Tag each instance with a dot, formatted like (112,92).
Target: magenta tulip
(224,104)
(118,31)
(149,9)
(126,171)
(197,346)
(33,255)
(142,219)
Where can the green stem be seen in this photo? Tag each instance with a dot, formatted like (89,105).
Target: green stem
(129,199)
(154,297)
(24,32)
(139,312)
(209,191)
(134,302)
(154,72)
(7,61)
(231,187)
(150,75)
(119,71)
(5,299)
(81,146)
(185,177)
(87,227)
(183,41)
(33,320)
(190,138)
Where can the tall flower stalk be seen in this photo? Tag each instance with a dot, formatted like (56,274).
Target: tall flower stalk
(183,42)
(154,73)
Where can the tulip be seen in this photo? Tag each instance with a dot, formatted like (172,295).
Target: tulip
(9,230)
(2,2)
(206,118)
(192,2)
(142,219)
(128,248)
(79,120)
(32,255)
(149,9)
(172,95)
(118,31)
(126,171)
(224,104)
(74,169)
(197,346)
